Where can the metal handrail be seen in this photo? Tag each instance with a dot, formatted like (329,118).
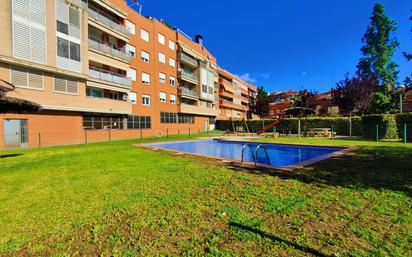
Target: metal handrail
(257,152)
(243,151)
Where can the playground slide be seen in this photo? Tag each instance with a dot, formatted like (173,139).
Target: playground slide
(271,125)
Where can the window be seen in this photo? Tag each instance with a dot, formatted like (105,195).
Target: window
(65,85)
(94,92)
(211,90)
(62,27)
(130,50)
(145,57)
(62,48)
(139,122)
(162,58)
(130,27)
(74,52)
(204,89)
(133,97)
(24,77)
(146,100)
(131,74)
(29,29)
(172,45)
(74,17)
(144,35)
(172,81)
(162,77)
(145,78)
(172,99)
(162,96)
(172,62)
(168,117)
(161,38)
(103,122)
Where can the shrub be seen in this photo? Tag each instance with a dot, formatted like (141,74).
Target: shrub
(387,127)
(402,119)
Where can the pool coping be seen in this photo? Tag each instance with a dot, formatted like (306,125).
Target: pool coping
(344,150)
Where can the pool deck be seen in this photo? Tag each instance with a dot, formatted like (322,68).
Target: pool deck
(251,165)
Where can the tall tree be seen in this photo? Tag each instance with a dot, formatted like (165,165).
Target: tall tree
(354,95)
(304,99)
(379,46)
(262,102)
(408,56)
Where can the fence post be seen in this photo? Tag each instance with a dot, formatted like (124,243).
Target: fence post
(404,133)
(39,140)
(141,134)
(110,136)
(189,132)
(198,130)
(178,131)
(167,133)
(85,136)
(377,132)
(331,132)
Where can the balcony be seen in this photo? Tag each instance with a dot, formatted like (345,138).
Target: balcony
(111,50)
(189,77)
(232,105)
(98,16)
(189,92)
(110,76)
(194,109)
(188,59)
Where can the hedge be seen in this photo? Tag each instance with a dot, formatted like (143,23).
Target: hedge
(290,125)
(384,124)
(404,119)
(390,126)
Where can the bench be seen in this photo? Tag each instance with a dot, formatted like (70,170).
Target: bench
(323,132)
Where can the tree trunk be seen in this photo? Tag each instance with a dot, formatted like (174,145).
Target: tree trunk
(299,127)
(350,124)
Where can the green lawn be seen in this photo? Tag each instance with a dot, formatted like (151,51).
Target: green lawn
(113,199)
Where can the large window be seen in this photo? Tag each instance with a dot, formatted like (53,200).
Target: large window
(170,118)
(74,17)
(27,78)
(103,122)
(62,48)
(139,122)
(74,52)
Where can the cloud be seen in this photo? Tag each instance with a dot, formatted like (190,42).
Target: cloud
(265,75)
(304,73)
(247,78)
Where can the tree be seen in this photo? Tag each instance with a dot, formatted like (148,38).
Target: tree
(354,95)
(408,56)
(303,104)
(378,49)
(11,104)
(262,102)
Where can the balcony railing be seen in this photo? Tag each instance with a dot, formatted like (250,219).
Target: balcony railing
(109,76)
(189,59)
(187,91)
(97,15)
(98,45)
(188,75)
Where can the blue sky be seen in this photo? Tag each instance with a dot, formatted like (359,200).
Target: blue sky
(285,44)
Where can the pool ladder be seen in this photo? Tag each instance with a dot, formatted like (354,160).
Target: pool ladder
(254,155)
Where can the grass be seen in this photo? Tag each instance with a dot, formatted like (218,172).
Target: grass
(113,199)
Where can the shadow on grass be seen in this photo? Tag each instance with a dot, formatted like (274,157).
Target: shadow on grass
(10,155)
(381,167)
(276,239)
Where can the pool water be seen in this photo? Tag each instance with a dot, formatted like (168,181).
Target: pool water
(278,155)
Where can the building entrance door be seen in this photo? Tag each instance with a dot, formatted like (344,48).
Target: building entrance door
(15,133)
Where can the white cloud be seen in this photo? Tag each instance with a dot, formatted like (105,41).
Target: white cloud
(304,73)
(247,78)
(265,75)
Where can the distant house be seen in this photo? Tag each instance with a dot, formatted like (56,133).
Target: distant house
(407,102)
(324,104)
(279,102)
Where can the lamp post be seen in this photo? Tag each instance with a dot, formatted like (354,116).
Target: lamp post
(401,90)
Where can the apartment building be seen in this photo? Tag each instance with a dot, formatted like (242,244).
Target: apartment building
(96,66)
(236,97)
(279,102)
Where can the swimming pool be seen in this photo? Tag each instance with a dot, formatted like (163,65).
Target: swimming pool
(278,155)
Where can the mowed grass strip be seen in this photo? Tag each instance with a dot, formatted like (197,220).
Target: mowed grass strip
(113,199)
